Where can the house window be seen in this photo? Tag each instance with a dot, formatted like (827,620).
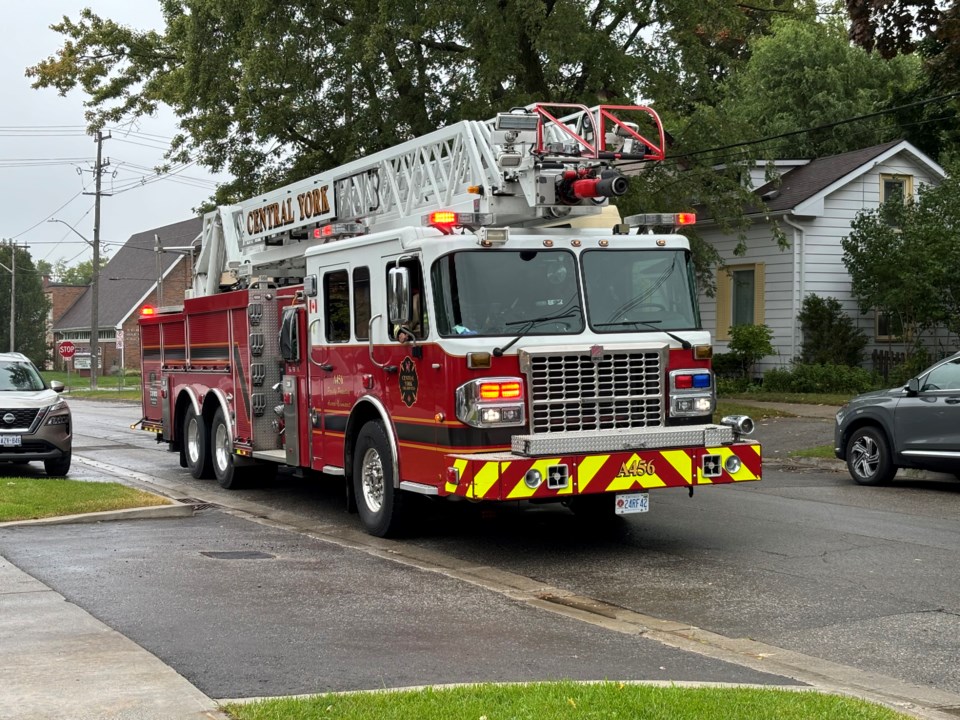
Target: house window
(895,190)
(895,187)
(740,297)
(889,327)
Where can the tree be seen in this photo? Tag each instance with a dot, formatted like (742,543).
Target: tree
(830,337)
(274,92)
(805,74)
(901,258)
(31,306)
(79,274)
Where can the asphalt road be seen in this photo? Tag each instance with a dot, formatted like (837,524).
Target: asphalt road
(805,561)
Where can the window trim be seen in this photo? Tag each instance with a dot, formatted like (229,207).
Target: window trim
(903,337)
(724,299)
(907,181)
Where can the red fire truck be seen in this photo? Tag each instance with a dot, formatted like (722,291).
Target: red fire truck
(457,316)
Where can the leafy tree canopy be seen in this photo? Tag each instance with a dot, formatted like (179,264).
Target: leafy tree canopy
(901,257)
(79,274)
(807,74)
(273,92)
(30,307)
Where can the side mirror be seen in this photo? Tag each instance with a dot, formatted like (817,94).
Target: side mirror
(57,386)
(310,286)
(913,386)
(398,295)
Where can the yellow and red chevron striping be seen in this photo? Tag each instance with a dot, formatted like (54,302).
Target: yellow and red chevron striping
(502,478)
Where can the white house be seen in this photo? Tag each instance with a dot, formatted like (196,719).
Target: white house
(814,202)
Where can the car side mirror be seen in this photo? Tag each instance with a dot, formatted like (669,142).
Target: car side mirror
(57,386)
(913,386)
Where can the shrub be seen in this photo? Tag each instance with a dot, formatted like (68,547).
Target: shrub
(727,365)
(830,336)
(819,378)
(750,343)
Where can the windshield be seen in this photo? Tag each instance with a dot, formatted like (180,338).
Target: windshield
(634,289)
(19,376)
(507,292)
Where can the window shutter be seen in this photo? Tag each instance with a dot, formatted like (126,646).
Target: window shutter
(759,283)
(724,299)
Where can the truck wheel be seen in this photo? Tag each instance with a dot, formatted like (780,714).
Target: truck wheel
(227,473)
(379,503)
(196,445)
(868,457)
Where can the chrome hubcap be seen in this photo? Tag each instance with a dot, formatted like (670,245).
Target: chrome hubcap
(371,480)
(193,440)
(221,453)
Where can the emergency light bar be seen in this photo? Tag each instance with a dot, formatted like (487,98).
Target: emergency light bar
(148,310)
(651,219)
(446,220)
(338,230)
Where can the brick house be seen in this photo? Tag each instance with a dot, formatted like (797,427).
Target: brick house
(137,275)
(60,297)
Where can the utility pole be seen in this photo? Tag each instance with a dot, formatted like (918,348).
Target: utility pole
(13,288)
(13,293)
(95,285)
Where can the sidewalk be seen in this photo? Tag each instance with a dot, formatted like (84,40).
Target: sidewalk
(58,662)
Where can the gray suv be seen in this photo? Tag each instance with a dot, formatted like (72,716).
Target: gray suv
(35,421)
(914,426)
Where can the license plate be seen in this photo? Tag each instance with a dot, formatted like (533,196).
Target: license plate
(627,503)
(10,441)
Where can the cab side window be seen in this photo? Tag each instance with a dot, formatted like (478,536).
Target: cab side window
(361,302)
(418,323)
(336,298)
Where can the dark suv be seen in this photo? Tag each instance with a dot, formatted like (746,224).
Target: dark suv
(914,426)
(35,421)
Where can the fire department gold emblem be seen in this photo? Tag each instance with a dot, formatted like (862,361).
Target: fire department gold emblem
(409,382)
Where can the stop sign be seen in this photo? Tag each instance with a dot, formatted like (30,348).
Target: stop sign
(66,349)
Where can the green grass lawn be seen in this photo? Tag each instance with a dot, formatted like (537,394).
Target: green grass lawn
(33,498)
(109,387)
(599,701)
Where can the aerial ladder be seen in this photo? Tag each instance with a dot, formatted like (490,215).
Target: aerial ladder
(523,168)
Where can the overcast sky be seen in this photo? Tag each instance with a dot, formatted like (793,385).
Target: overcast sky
(46,157)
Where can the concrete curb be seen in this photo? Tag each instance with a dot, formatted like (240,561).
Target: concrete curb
(173,510)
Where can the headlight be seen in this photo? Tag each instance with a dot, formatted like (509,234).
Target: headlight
(491,402)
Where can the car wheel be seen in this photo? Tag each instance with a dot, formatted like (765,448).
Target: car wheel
(868,457)
(58,467)
(380,505)
(196,445)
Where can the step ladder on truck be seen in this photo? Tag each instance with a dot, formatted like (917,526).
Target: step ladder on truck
(454,317)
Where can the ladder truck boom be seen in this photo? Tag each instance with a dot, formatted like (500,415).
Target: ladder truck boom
(522,168)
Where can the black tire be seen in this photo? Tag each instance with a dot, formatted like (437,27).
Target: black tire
(225,469)
(196,444)
(868,457)
(58,467)
(380,505)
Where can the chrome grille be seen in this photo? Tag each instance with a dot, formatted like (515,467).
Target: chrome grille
(600,390)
